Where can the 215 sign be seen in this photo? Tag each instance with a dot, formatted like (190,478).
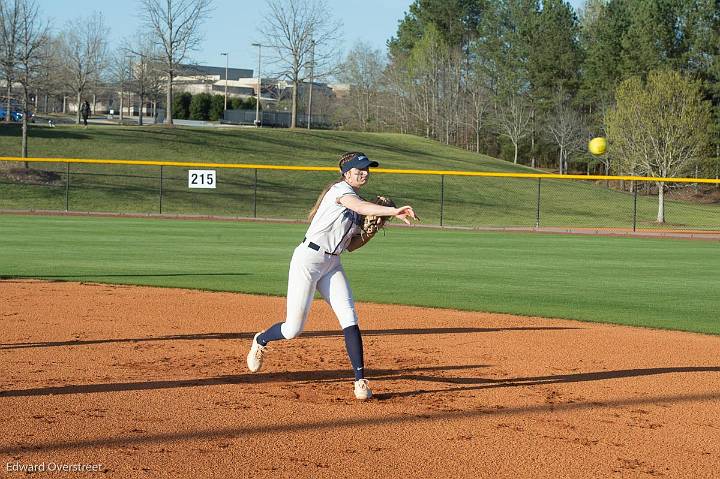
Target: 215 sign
(202,179)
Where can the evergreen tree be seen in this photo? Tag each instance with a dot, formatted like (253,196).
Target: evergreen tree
(604,25)
(651,41)
(181,106)
(554,52)
(502,47)
(455,20)
(200,106)
(217,107)
(250,103)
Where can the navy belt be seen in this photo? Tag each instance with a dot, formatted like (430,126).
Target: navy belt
(312,245)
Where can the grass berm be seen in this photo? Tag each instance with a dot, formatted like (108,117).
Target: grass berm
(467,201)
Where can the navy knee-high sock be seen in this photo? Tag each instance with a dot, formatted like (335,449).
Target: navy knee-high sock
(353,344)
(273,333)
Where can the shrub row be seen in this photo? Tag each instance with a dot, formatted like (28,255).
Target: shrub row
(206,107)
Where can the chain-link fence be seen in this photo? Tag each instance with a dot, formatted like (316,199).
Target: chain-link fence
(277,119)
(441,198)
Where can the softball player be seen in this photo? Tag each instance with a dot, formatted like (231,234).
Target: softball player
(334,228)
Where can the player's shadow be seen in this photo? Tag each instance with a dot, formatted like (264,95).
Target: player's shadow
(285,429)
(475,383)
(412,374)
(333,375)
(307,334)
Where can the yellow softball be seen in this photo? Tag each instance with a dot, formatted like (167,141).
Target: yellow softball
(597,146)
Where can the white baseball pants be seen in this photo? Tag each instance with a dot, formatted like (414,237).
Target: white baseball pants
(312,270)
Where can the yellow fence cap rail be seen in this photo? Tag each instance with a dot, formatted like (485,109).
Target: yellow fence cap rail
(487,174)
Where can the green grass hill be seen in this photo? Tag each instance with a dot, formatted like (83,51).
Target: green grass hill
(280,194)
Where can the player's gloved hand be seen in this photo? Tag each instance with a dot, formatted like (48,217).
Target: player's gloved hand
(371,223)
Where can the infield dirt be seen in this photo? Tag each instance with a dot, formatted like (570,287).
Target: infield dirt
(152,382)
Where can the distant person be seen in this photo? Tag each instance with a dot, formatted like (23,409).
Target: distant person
(85,111)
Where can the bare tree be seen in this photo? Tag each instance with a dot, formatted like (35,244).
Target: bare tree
(175,31)
(9,30)
(396,93)
(429,85)
(479,108)
(47,81)
(449,98)
(138,68)
(565,126)
(479,100)
(154,79)
(84,54)
(298,33)
(513,118)
(32,35)
(425,66)
(362,70)
(119,73)
(144,71)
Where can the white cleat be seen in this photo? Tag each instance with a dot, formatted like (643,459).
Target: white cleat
(255,356)
(362,390)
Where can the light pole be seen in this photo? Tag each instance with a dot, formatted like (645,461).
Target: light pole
(227,57)
(257,97)
(312,72)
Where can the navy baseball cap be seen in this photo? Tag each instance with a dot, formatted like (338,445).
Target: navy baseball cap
(359,162)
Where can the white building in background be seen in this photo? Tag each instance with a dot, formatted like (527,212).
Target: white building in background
(340,90)
(193,79)
(196,79)
(241,83)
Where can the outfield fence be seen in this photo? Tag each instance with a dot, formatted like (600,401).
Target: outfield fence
(443,198)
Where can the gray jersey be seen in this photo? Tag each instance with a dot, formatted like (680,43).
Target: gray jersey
(334,225)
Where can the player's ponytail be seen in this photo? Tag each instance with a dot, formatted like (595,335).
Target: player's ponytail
(344,158)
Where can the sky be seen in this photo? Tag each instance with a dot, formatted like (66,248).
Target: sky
(232,25)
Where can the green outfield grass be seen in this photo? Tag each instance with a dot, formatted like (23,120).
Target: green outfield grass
(658,283)
(466,201)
